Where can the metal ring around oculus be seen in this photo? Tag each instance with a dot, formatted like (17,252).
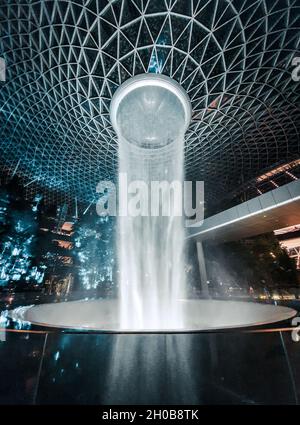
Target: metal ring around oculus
(156,81)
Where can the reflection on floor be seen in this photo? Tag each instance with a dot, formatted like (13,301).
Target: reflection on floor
(230,368)
(206,368)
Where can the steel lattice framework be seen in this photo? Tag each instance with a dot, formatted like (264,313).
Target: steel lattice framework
(65,59)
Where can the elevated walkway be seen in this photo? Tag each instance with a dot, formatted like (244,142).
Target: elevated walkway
(273,210)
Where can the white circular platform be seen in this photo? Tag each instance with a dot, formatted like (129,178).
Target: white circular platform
(200,315)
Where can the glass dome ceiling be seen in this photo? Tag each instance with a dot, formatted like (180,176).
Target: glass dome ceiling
(65,60)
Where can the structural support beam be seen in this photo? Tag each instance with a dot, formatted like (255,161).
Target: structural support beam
(202,268)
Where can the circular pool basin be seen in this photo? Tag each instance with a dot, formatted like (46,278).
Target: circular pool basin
(199,315)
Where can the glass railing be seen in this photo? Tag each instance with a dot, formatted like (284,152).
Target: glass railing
(252,366)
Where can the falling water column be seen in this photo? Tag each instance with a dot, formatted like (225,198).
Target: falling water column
(150,114)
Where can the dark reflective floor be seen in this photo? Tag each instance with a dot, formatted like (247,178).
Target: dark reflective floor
(38,366)
(231,368)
